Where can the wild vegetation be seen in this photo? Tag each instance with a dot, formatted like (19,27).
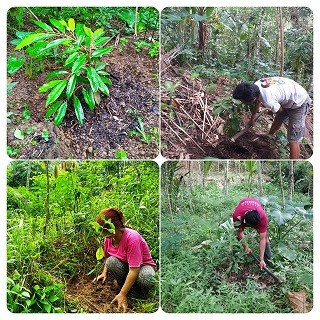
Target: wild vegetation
(69,52)
(53,248)
(206,52)
(204,267)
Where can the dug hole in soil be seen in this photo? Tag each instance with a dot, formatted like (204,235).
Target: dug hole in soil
(94,297)
(106,129)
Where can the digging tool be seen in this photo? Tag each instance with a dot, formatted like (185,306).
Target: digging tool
(247,127)
(278,280)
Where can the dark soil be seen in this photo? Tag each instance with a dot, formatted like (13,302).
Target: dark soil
(106,129)
(94,297)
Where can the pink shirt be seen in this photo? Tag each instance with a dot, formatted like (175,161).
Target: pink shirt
(248,204)
(132,249)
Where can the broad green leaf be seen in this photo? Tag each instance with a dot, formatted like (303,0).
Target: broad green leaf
(99,253)
(78,109)
(60,114)
(71,85)
(88,31)
(78,63)
(57,73)
(52,109)
(56,23)
(46,306)
(19,134)
(104,79)
(36,49)
(45,87)
(14,64)
(93,79)
(71,58)
(100,65)
(103,88)
(56,92)
(101,52)
(79,30)
(54,43)
(23,34)
(43,25)
(98,33)
(64,23)
(88,98)
(101,40)
(32,38)
(71,24)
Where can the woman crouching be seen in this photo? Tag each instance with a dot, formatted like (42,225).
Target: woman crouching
(127,257)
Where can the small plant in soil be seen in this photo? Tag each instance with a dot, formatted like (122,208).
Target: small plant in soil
(80,75)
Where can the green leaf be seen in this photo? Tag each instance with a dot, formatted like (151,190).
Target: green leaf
(71,24)
(57,73)
(52,109)
(14,64)
(88,31)
(98,33)
(103,88)
(56,23)
(32,38)
(43,25)
(25,294)
(71,58)
(54,43)
(56,92)
(88,98)
(78,109)
(99,253)
(79,30)
(122,155)
(101,52)
(78,63)
(45,87)
(60,114)
(101,40)
(46,306)
(19,134)
(93,79)
(71,85)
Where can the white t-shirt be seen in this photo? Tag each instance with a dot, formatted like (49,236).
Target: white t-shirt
(278,91)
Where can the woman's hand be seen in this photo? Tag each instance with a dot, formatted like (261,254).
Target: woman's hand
(122,301)
(102,276)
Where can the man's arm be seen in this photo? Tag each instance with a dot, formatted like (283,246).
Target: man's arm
(262,247)
(254,111)
(240,236)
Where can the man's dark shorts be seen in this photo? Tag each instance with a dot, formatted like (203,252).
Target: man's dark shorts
(297,118)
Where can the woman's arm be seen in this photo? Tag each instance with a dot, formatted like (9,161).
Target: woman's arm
(131,278)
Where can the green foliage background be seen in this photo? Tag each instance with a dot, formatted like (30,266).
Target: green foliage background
(78,191)
(209,279)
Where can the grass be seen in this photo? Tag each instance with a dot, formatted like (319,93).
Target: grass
(221,278)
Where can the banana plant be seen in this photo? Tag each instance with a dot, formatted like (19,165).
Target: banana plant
(81,74)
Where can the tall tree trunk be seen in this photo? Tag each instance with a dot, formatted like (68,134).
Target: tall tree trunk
(291,180)
(226,177)
(260,178)
(281,38)
(47,209)
(281,184)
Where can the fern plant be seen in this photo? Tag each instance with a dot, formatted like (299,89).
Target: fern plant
(80,73)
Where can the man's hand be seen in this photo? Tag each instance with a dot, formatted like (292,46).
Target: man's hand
(262,264)
(122,301)
(102,276)
(248,250)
